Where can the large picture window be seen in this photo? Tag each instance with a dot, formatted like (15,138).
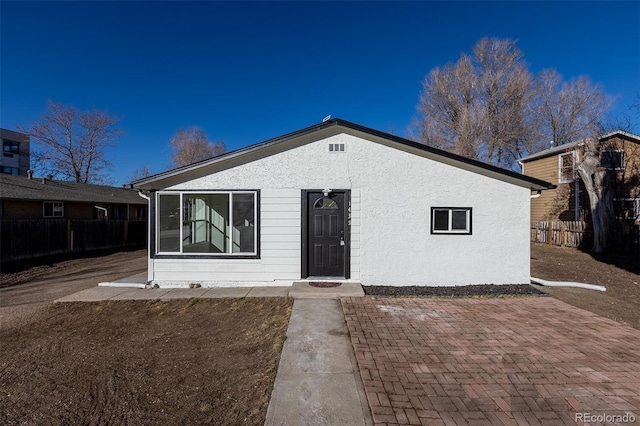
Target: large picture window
(450,220)
(213,223)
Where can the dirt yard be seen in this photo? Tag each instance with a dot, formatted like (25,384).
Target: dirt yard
(69,276)
(187,362)
(621,301)
(199,361)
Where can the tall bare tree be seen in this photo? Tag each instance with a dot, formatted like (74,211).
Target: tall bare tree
(451,117)
(569,111)
(505,93)
(72,144)
(597,183)
(478,107)
(192,145)
(488,106)
(614,184)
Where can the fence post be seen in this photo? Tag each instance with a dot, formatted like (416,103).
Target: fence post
(125,238)
(69,236)
(562,234)
(550,233)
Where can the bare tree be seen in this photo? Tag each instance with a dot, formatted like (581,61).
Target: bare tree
(505,92)
(140,173)
(72,144)
(478,107)
(489,107)
(569,111)
(610,172)
(625,186)
(192,145)
(597,183)
(451,116)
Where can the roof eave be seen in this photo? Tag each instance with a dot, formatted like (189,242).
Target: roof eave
(440,155)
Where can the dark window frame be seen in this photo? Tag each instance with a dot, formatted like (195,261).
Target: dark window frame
(154,215)
(53,209)
(10,146)
(450,230)
(141,212)
(618,157)
(8,170)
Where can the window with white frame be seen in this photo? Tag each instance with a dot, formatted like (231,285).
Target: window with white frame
(451,220)
(567,167)
(212,223)
(53,209)
(613,159)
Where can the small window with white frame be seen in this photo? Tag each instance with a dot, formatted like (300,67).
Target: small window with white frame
(53,209)
(567,167)
(451,220)
(613,159)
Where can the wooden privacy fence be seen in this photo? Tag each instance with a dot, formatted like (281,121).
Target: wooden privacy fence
(28,238)
(569,234)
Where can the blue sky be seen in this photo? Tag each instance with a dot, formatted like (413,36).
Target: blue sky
(246,72)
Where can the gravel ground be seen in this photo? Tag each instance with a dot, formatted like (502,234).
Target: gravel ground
(459,291)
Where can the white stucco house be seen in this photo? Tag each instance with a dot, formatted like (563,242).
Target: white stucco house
(343,202)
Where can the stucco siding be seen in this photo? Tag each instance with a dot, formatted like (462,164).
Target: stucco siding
(396,241)
(392,192)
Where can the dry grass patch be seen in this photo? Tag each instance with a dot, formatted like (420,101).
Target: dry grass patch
(621,301)
(210,361)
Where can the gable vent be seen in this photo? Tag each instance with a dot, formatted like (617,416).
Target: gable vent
(336,147)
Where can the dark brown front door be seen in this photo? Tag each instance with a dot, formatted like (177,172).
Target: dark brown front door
(326,234)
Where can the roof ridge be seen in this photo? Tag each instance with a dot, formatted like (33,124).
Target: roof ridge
(476,164)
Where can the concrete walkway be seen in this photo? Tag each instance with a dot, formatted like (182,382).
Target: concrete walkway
(299,290)
(318,382)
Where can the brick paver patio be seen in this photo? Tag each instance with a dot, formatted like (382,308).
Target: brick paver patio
(527,360)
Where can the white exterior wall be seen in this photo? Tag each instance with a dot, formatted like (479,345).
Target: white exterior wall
(391,243)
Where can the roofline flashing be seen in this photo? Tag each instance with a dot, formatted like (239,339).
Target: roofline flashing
(453,159)
(550,151)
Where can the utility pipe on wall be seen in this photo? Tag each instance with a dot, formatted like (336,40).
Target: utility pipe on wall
(104,210)
(567,284)
(150,272)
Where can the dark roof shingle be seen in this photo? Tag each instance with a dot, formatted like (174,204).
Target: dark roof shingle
(22,188)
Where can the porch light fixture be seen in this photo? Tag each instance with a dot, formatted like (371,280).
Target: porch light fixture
(326,192)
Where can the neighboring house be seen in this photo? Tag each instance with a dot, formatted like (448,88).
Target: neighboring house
(42,217)
(16,155)
(620,154)
(343,202)
(31,198)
